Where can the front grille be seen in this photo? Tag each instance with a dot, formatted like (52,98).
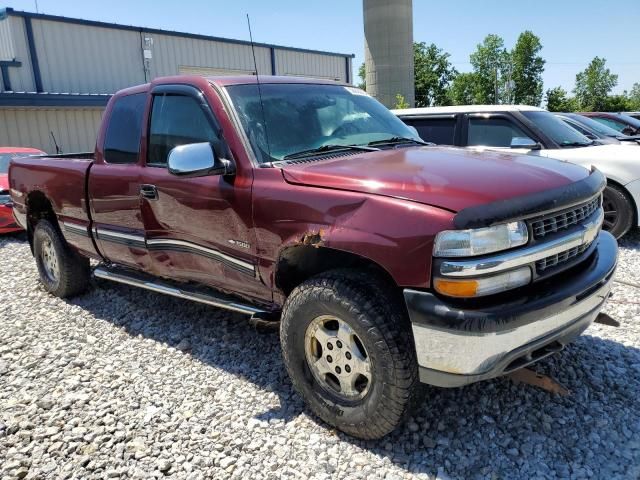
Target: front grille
(560,258)
(563,220)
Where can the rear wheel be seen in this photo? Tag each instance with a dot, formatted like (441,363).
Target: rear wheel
(618,211)
(62,271)
(348,348)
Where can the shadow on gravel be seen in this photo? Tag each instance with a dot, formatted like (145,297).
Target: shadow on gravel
(12,238)
(631,240)
(492,429)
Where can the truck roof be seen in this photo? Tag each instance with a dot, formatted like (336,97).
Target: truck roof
(224,81)
(467,109)
(251,79)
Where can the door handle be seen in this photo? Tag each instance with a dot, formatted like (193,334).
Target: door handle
(149,191)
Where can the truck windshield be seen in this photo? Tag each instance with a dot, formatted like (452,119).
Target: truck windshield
(304,117)
(557,130)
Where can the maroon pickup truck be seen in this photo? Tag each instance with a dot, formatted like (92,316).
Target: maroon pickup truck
(387,261)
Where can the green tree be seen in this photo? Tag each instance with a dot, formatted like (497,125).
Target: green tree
(463,89)
(362,73)
(433,75)
(491,64)
(401,103)
(618,103)
(526,71)
(634,97)
(558,101)
(594,84)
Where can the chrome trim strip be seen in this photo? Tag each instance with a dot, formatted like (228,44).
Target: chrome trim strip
(466,353)
(76,228)
(176,292)
(118,235)
(193,246)
(523,256)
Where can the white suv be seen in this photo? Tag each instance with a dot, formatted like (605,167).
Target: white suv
(535,131)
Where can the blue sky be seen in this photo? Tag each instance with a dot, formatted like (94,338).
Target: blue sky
(572,31)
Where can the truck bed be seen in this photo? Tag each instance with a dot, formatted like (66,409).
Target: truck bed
(62,179)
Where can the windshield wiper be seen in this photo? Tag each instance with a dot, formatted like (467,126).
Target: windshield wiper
(397,140)
(576,144)
(328,148)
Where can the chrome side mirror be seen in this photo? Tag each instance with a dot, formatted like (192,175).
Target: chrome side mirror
(525,142)
(197,160)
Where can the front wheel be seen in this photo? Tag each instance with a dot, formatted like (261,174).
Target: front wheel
(62,271)
(618,211)
(349,351)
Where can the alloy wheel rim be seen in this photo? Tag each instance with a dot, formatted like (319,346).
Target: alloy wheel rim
(337,358)
(49,260)
(610,213)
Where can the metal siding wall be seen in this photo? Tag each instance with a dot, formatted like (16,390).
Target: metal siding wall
(21,77)
(75,128)
(86,59)
(7,52)
(169,53)
(310,65)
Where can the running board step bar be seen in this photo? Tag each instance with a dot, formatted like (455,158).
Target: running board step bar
(136,279)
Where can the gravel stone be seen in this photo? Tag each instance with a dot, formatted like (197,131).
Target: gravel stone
(124,383)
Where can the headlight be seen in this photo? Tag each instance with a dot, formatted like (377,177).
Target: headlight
(480,241)
(479,287)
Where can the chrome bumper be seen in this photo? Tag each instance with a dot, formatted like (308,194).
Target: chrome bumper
(456,346)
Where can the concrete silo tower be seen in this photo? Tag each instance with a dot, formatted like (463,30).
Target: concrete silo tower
(388,49)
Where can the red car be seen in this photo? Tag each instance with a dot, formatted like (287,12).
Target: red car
(7,222)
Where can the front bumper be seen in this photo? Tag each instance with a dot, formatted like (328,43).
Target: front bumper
(7,221)
(457,346)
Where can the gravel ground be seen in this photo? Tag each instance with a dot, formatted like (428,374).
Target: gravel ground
(125,383)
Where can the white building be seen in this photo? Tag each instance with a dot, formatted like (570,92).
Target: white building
(57,73)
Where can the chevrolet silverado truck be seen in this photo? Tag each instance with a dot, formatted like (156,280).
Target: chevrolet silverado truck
(387,261)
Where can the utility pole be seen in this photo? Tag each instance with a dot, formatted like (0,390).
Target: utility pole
(495,98)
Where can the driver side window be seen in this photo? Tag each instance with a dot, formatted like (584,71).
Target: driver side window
(176,120)
(492,132)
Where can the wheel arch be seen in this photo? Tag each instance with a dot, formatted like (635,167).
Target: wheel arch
(298,263)
(39,207)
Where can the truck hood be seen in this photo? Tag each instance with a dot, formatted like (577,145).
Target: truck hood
(445,177)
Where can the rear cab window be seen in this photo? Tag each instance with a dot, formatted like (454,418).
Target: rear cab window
(439,130)
(122,141)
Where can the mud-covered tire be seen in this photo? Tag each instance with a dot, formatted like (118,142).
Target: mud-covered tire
(71,273)
(618,211)
(375,312)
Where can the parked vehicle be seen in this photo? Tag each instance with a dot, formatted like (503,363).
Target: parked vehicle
(388,262)
(633,114)
(596,131)
(539,133)
(7,222)
(621,122)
